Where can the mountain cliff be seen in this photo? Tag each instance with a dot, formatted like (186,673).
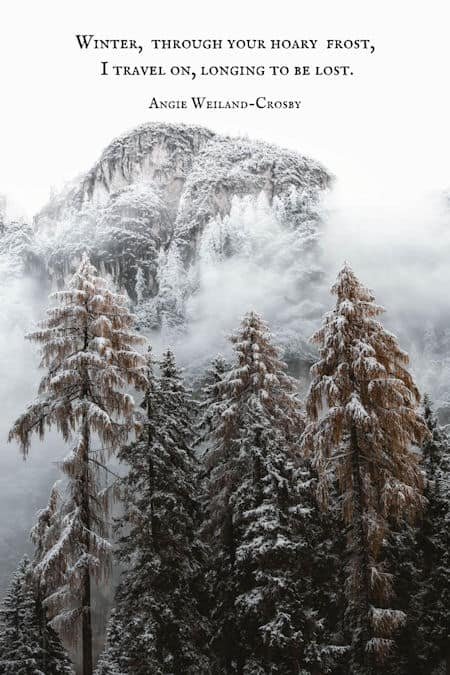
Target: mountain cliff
(165,201)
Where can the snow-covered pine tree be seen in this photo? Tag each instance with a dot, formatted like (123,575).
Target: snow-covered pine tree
(129,232)
(403,559)
(46,529)
(255,521)
(211,397)
(28,645)
(108,661)
(55,659)
(88,348)
(157,626)
(16,244)
(19,634)
(44,535)
(363,421)
(432,599)
(419,557)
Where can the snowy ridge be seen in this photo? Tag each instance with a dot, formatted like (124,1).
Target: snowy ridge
(150,206)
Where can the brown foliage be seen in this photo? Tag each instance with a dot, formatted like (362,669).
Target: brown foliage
(364,424)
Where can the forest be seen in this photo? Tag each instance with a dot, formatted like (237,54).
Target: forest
(257,531)
(228,469)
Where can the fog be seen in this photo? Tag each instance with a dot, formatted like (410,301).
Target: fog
(398,244)
(268,271)
(23,485)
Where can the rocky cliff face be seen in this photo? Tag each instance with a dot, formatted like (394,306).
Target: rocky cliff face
(191,224)
(165,202)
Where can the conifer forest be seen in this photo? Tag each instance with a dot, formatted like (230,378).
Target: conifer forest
(236,462)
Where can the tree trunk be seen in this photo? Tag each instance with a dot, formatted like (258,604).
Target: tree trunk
(86,625)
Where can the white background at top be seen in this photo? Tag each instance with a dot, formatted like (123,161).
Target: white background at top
(384,133)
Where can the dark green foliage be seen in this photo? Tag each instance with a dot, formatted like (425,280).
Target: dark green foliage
(210,398)
(434,542)
(260,523)
(161,629)
(108,661)
(421,559)
(28,645)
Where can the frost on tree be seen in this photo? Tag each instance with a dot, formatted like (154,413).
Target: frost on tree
(211,398)
(16,248)
(363,407)
(433,598)
(255,522)
(88,348)
(130,231)
(108,660)
(158,626)
(164,188)
(28,645)
(45,535)
(121,236)
(421,557)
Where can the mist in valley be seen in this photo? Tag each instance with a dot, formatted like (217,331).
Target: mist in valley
(400,250)
(248,258)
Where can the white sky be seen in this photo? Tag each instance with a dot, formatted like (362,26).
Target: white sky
(384,133)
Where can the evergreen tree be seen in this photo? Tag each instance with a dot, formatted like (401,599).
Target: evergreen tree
(109,659)
(211,397)
(421,559)
(434,542)
(130,231)
(362,406)
(322,577)
(28,646)
(19,640)
(16,246)
(87,347)
(45,535)
(256,522)
(157,626)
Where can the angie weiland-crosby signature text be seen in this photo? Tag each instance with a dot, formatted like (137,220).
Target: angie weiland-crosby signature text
(202,102)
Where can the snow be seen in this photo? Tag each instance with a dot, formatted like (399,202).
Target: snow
(167,202)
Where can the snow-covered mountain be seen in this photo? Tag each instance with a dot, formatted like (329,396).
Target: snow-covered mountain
(198,227)
(177,178)
(166,202)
